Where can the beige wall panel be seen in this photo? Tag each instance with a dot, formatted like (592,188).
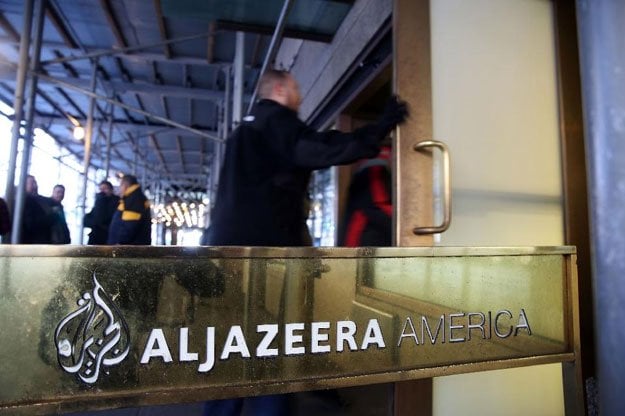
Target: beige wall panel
(495,105)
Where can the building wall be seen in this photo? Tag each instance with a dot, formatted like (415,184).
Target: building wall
(330,62)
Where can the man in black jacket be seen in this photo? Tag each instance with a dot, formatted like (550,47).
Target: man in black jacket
(132,222)
(37,218)
(101,215)
(59,230)
(268,162)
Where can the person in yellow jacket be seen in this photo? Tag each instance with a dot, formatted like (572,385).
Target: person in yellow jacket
(132,222)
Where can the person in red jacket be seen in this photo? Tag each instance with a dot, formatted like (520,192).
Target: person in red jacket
(369,211)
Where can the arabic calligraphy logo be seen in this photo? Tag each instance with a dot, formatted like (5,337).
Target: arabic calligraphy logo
(93,336)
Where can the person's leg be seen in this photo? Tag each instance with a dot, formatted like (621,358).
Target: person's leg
(228,407)
(275,405)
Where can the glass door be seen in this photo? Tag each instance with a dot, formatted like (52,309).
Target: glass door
(480,77)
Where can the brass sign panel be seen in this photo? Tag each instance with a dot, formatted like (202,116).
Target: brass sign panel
(110,327)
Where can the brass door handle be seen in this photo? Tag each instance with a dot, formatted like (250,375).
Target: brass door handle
(424,145)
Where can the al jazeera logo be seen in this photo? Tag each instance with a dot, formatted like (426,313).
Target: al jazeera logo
(93,337)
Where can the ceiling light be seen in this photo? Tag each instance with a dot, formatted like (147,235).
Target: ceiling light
(79,133)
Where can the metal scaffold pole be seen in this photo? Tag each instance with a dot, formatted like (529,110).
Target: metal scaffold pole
(28,128)
(18,101)
(87,158)
(109,138)
(227,100)
(274,45)
(116,103)
(238,67)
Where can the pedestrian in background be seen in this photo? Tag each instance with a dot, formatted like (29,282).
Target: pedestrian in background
(37,217)
(5,218)
(132,222)
(369,211)
(99,218)
(59,232)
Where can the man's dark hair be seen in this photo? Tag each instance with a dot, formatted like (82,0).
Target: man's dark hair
(130,180)
(270,78)
(107,184)
(59,186)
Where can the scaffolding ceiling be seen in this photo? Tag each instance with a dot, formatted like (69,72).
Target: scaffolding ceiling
(163,69)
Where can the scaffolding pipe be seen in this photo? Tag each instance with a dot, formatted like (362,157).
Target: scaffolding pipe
(18,102)
(135,162)
(218,156)
(117,51)
(32,89)
(237,92)
(28,128)
(109,138)
(273,47)
(128,107)
(87,159)
(218,149)
(143,174)
(227,99)
(212,182)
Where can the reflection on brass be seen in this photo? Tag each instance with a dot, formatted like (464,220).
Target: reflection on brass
(95,327)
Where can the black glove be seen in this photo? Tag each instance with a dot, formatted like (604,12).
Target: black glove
(395,112)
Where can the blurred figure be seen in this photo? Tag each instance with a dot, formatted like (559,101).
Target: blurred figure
(269,158)
(262,193)
(59,233)
(132,222)
(5,218)
(58,193)
(369,212)
(99,219)
(37,218)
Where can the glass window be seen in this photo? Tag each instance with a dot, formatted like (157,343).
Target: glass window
(322,217)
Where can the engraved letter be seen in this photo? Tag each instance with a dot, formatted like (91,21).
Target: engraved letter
(425,325)
(479,326)
(412,334)
(207,365)
(373,335)
(345,331)
(235,342)
(263,350)
(452,327)
(156,346)
(290,338)
(185,355)
(499,334)
(317,337)
(523,323)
